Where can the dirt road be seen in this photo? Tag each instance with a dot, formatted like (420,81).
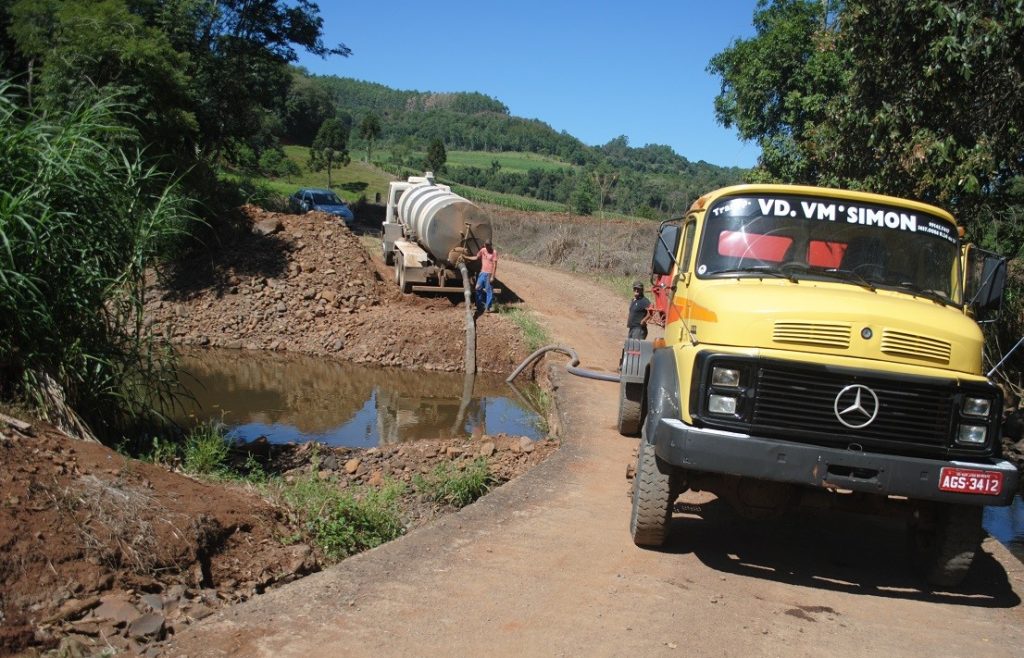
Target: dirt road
(545,565)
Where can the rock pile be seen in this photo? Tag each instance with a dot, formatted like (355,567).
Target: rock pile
(306,284)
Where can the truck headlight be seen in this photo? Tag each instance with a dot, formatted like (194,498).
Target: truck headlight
(972,435)
(977,407)
(725,377)
(722,404)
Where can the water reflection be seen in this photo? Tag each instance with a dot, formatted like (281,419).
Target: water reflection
(1007,525)
(301,398)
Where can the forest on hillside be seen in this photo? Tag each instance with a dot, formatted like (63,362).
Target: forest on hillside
(650,181)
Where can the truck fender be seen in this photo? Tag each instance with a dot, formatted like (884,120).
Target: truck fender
(636,355)
(662,391)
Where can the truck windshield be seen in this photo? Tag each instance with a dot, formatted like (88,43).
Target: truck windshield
(865,244)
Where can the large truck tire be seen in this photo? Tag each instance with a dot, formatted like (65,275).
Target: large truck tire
(630,411)
(944,549)
(653,498)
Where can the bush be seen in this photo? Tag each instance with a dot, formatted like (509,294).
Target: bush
(80,221)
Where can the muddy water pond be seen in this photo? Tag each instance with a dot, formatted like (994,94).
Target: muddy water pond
(297,398)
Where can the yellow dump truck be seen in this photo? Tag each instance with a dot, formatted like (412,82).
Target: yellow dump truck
(822,346)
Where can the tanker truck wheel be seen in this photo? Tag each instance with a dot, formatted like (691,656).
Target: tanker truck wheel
(403,285)
(654,494)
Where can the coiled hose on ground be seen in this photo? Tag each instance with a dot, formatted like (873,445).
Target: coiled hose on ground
(572,368)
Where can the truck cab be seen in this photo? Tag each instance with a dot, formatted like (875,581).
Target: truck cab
(821,345)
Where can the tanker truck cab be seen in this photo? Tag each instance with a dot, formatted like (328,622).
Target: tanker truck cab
(822,347)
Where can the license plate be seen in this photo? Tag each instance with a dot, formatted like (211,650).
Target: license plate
(966,480)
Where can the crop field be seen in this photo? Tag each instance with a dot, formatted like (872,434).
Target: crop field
(509,161)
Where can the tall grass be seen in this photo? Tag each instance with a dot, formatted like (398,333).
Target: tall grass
(80,221)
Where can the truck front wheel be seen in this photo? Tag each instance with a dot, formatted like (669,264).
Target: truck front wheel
(944,544)
(654,494)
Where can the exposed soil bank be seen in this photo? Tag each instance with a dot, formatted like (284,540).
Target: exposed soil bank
(99,550)
(306,284)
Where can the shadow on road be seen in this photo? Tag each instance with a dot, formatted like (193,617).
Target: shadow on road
(832,550)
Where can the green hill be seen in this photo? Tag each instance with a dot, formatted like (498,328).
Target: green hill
(490,149)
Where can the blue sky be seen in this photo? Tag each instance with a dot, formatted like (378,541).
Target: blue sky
(595,69)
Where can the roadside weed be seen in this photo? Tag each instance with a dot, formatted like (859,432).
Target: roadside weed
(453,486)
(533,333)
(343,522)
(206,450)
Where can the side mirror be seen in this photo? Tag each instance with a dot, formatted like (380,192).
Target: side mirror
(984,283)
(665,247)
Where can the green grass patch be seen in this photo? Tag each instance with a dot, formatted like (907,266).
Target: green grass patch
(451,485)
(533,333)
(342,522)
(206,450)
(513,161)
(355,180)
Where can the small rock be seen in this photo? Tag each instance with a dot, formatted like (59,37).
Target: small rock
(351,466)
(452,451)
(328,295)
(487,449)
(525,445)
(148,625)
(118,610)
(154,601)
(376,479)
(267,226)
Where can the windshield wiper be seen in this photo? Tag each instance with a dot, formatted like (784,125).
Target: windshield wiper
(847,275)
(917,290)
(761,269)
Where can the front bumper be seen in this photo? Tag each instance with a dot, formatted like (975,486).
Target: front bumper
(731,453)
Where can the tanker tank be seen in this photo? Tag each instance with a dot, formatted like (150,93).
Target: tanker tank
(440,220)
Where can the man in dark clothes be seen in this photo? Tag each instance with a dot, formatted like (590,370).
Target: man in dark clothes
(637,320)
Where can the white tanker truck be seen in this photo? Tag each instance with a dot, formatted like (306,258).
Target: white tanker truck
(426,229)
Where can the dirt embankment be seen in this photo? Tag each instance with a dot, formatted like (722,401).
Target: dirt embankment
(98,550)
(306,284)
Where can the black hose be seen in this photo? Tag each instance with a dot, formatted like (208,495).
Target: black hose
(572,368)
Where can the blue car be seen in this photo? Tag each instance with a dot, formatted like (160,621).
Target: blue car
(310,198)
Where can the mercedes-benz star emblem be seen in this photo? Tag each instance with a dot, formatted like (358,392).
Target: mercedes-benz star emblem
(856,406)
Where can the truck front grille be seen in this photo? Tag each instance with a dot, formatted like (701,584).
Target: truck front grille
(798,404)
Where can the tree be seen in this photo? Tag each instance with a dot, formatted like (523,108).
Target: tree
(330,147)
(369,129)
(436,156)
(777,84)
(309,104)
(604,178)
(933,109)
